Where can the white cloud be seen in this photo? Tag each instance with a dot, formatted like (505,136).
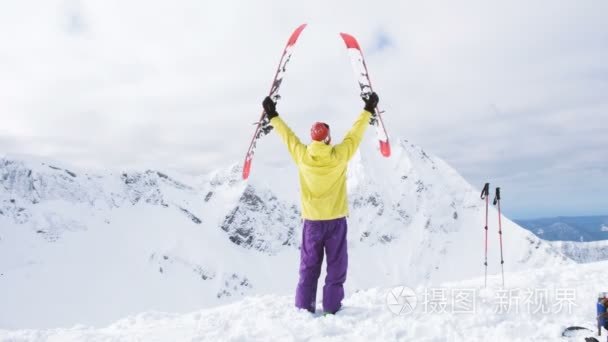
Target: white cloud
(513,93)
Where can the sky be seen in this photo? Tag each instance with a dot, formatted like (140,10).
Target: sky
(513,93)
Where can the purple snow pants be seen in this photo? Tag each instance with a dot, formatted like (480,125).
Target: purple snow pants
(316,236)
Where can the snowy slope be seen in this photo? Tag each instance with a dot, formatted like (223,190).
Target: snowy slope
(583,252)
(537,306)
(88,247)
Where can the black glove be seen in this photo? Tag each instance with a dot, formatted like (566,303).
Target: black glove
(270,108)
(371,103)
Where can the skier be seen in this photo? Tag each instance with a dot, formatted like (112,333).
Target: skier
(602,315)
(322,172)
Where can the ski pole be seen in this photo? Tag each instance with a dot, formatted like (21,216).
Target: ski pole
(484,195)
(502,262)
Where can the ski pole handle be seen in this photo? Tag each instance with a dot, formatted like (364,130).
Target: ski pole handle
(497,196)
(486,191)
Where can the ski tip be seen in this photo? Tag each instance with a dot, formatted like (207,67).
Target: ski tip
(296,33)
(350,41)
(246,169)
(385,148)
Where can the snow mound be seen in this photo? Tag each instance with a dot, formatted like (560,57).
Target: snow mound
(567,297)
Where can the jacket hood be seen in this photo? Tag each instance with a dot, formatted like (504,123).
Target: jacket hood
(319,149)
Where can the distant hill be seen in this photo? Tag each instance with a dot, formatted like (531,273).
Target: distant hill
(576,228)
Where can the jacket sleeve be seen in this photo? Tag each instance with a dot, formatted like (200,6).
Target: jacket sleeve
(346,149)
(295,147)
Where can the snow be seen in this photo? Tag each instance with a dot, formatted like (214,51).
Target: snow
(366,316)
(80,247)
(583,252)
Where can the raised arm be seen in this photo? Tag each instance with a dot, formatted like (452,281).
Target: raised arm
(294,146)
(346,149)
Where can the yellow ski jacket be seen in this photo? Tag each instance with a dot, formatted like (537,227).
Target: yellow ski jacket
(322,169)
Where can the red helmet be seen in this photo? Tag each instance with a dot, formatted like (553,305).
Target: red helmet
(319,131)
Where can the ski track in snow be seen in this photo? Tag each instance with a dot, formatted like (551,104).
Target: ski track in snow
(365,317)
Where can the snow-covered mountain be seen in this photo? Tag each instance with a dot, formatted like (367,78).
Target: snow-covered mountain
(583,252)
(88,247)
(575,228)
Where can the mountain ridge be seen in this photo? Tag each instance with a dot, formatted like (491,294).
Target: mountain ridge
(158,241)
(568,228)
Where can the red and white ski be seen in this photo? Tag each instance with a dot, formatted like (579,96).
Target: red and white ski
(360,69)
(262,127)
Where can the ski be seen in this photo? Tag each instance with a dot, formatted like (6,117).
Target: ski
(365,84)
(262,126)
